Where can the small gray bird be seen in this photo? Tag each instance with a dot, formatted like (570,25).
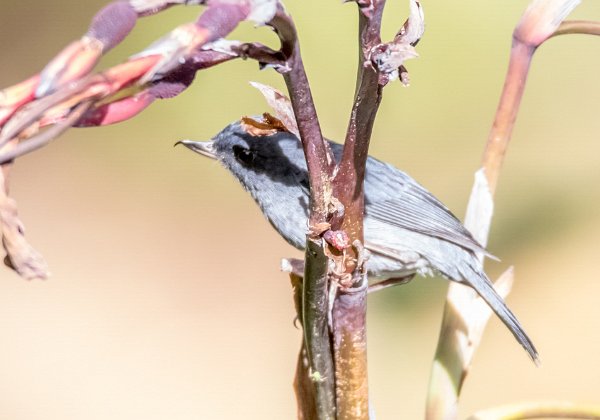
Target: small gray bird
(407,230)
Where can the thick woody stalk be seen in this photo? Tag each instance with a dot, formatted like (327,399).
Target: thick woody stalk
(315,287)
(316,330)
(350,307)
(350,346)
(349,180)
(317,158)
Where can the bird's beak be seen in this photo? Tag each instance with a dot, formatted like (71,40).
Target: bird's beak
(206,148)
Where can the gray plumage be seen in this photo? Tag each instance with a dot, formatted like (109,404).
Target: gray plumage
(407,229)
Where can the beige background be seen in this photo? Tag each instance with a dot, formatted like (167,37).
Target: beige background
(166,301)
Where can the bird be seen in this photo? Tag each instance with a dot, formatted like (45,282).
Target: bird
(407,230)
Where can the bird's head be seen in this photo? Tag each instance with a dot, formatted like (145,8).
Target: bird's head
(254,160)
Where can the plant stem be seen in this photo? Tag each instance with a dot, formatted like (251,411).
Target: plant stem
(452,362)
(350,344)
(539,410)
(316,329)
(506,114)
(315,305)
(350,306)
(585,27)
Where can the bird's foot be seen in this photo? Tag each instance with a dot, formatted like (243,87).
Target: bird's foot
(384,284)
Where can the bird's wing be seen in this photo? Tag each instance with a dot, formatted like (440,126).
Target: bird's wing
(412,207)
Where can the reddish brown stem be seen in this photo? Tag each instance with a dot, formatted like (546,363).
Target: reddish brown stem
(348,183)
(350,307)
(506,114)
(318,156)
(315,288)
(312,139)
(350,343)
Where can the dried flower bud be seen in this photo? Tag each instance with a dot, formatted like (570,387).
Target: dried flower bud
(337,239)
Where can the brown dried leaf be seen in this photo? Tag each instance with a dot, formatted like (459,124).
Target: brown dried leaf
(267,127)
(282,106)
(21,256)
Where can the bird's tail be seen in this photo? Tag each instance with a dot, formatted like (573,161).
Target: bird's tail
(482,285)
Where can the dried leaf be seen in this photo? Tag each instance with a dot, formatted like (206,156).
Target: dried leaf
(262,11)
(457,344)
(267,127)
(281,105)
(480,208)
(413,29)
(222,45)
(388,58)
(21,256)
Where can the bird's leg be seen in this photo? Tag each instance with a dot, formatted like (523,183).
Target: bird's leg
(362,259)
(362,256)
(295,267)
(395,281)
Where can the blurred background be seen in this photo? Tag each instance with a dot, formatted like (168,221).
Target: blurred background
(166,300)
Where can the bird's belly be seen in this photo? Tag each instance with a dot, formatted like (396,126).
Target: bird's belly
(383,267)
(393,252)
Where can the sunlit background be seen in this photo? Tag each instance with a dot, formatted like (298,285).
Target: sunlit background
(166,301)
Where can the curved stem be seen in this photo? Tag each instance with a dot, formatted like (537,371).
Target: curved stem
(506,114)
(539,410)
(586,27)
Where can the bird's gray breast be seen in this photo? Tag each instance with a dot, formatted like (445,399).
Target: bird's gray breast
(284,200)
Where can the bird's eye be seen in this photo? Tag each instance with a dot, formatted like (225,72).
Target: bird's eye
(243,155)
